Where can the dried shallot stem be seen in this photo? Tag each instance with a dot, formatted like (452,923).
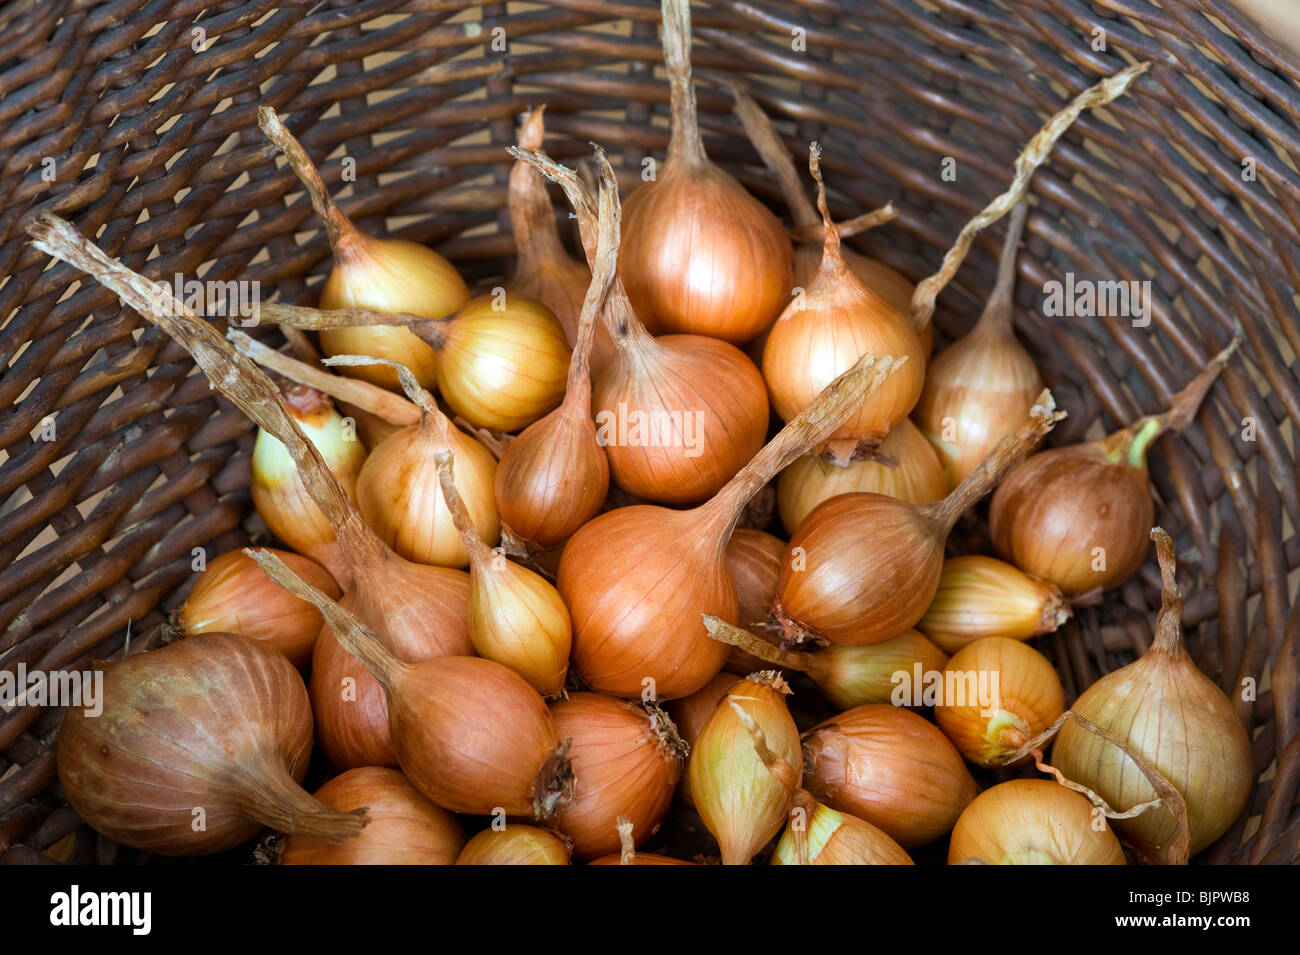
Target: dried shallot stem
(337,225)
(627,846)
(1033,156)
(228,371)
(361,394)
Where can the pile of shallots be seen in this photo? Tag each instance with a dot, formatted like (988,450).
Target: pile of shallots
(510,597)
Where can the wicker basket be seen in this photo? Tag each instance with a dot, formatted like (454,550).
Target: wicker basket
(143,132)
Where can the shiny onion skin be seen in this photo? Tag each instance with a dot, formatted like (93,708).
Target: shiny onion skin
(979,388)
(849,676)
(404,829)
(217,722)
(544,272)
(701,255)
(824,331)
(502,362)
(667,379)
(1078,516)
(741,802)
(554,477)
(515,845)
(754,560)
(1166,709)
(350,707)
(388,275)
(1032,822)
(836,838)
(1052,513)
(638,580)
(690,713)
(515,616)
(862,568)
(1029,698)
(470,734)
(384,275)
(678,416)
(400,497)
(890,767)
(232,595)
(626,762)
(984,597)
(917,478)
(278,493)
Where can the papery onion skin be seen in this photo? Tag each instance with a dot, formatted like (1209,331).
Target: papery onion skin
(1032,822)
(885,604)
(405,828)
(215,722)
(754,560)
(447,723)
(281,499)
(854,676)
(983,597)
(821,335)
(551,480)
(1179,720)
(627,630)
(349,704)
(890,767)
(703,256)
(623,764)
(389,275)
(503,367)
(1028,691)
(515,845)
(1052,512)
(399,495)
(885,280)
(232,595)
(690,713)
(918,478)
(836,838)
(713,406)
(742,804)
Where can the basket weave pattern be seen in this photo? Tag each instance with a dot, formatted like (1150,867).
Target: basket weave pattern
(117,460)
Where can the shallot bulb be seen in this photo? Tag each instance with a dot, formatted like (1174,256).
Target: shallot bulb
(627,759)
(678,416)
(554,477)
(890,767)
(384,275)
(862,568)
(1033,822)
(905,466)
(278,493)
(979,388)
(515,616)
(834,838)
(702,256)
(985,597)
(1078,516)
(1167,710)
(741,802)
(637,580)
(515,845)
(469,734)
(823,332)
(405,828)
(232,595)
(198,746)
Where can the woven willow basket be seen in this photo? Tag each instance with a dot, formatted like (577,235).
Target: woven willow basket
(136,120)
